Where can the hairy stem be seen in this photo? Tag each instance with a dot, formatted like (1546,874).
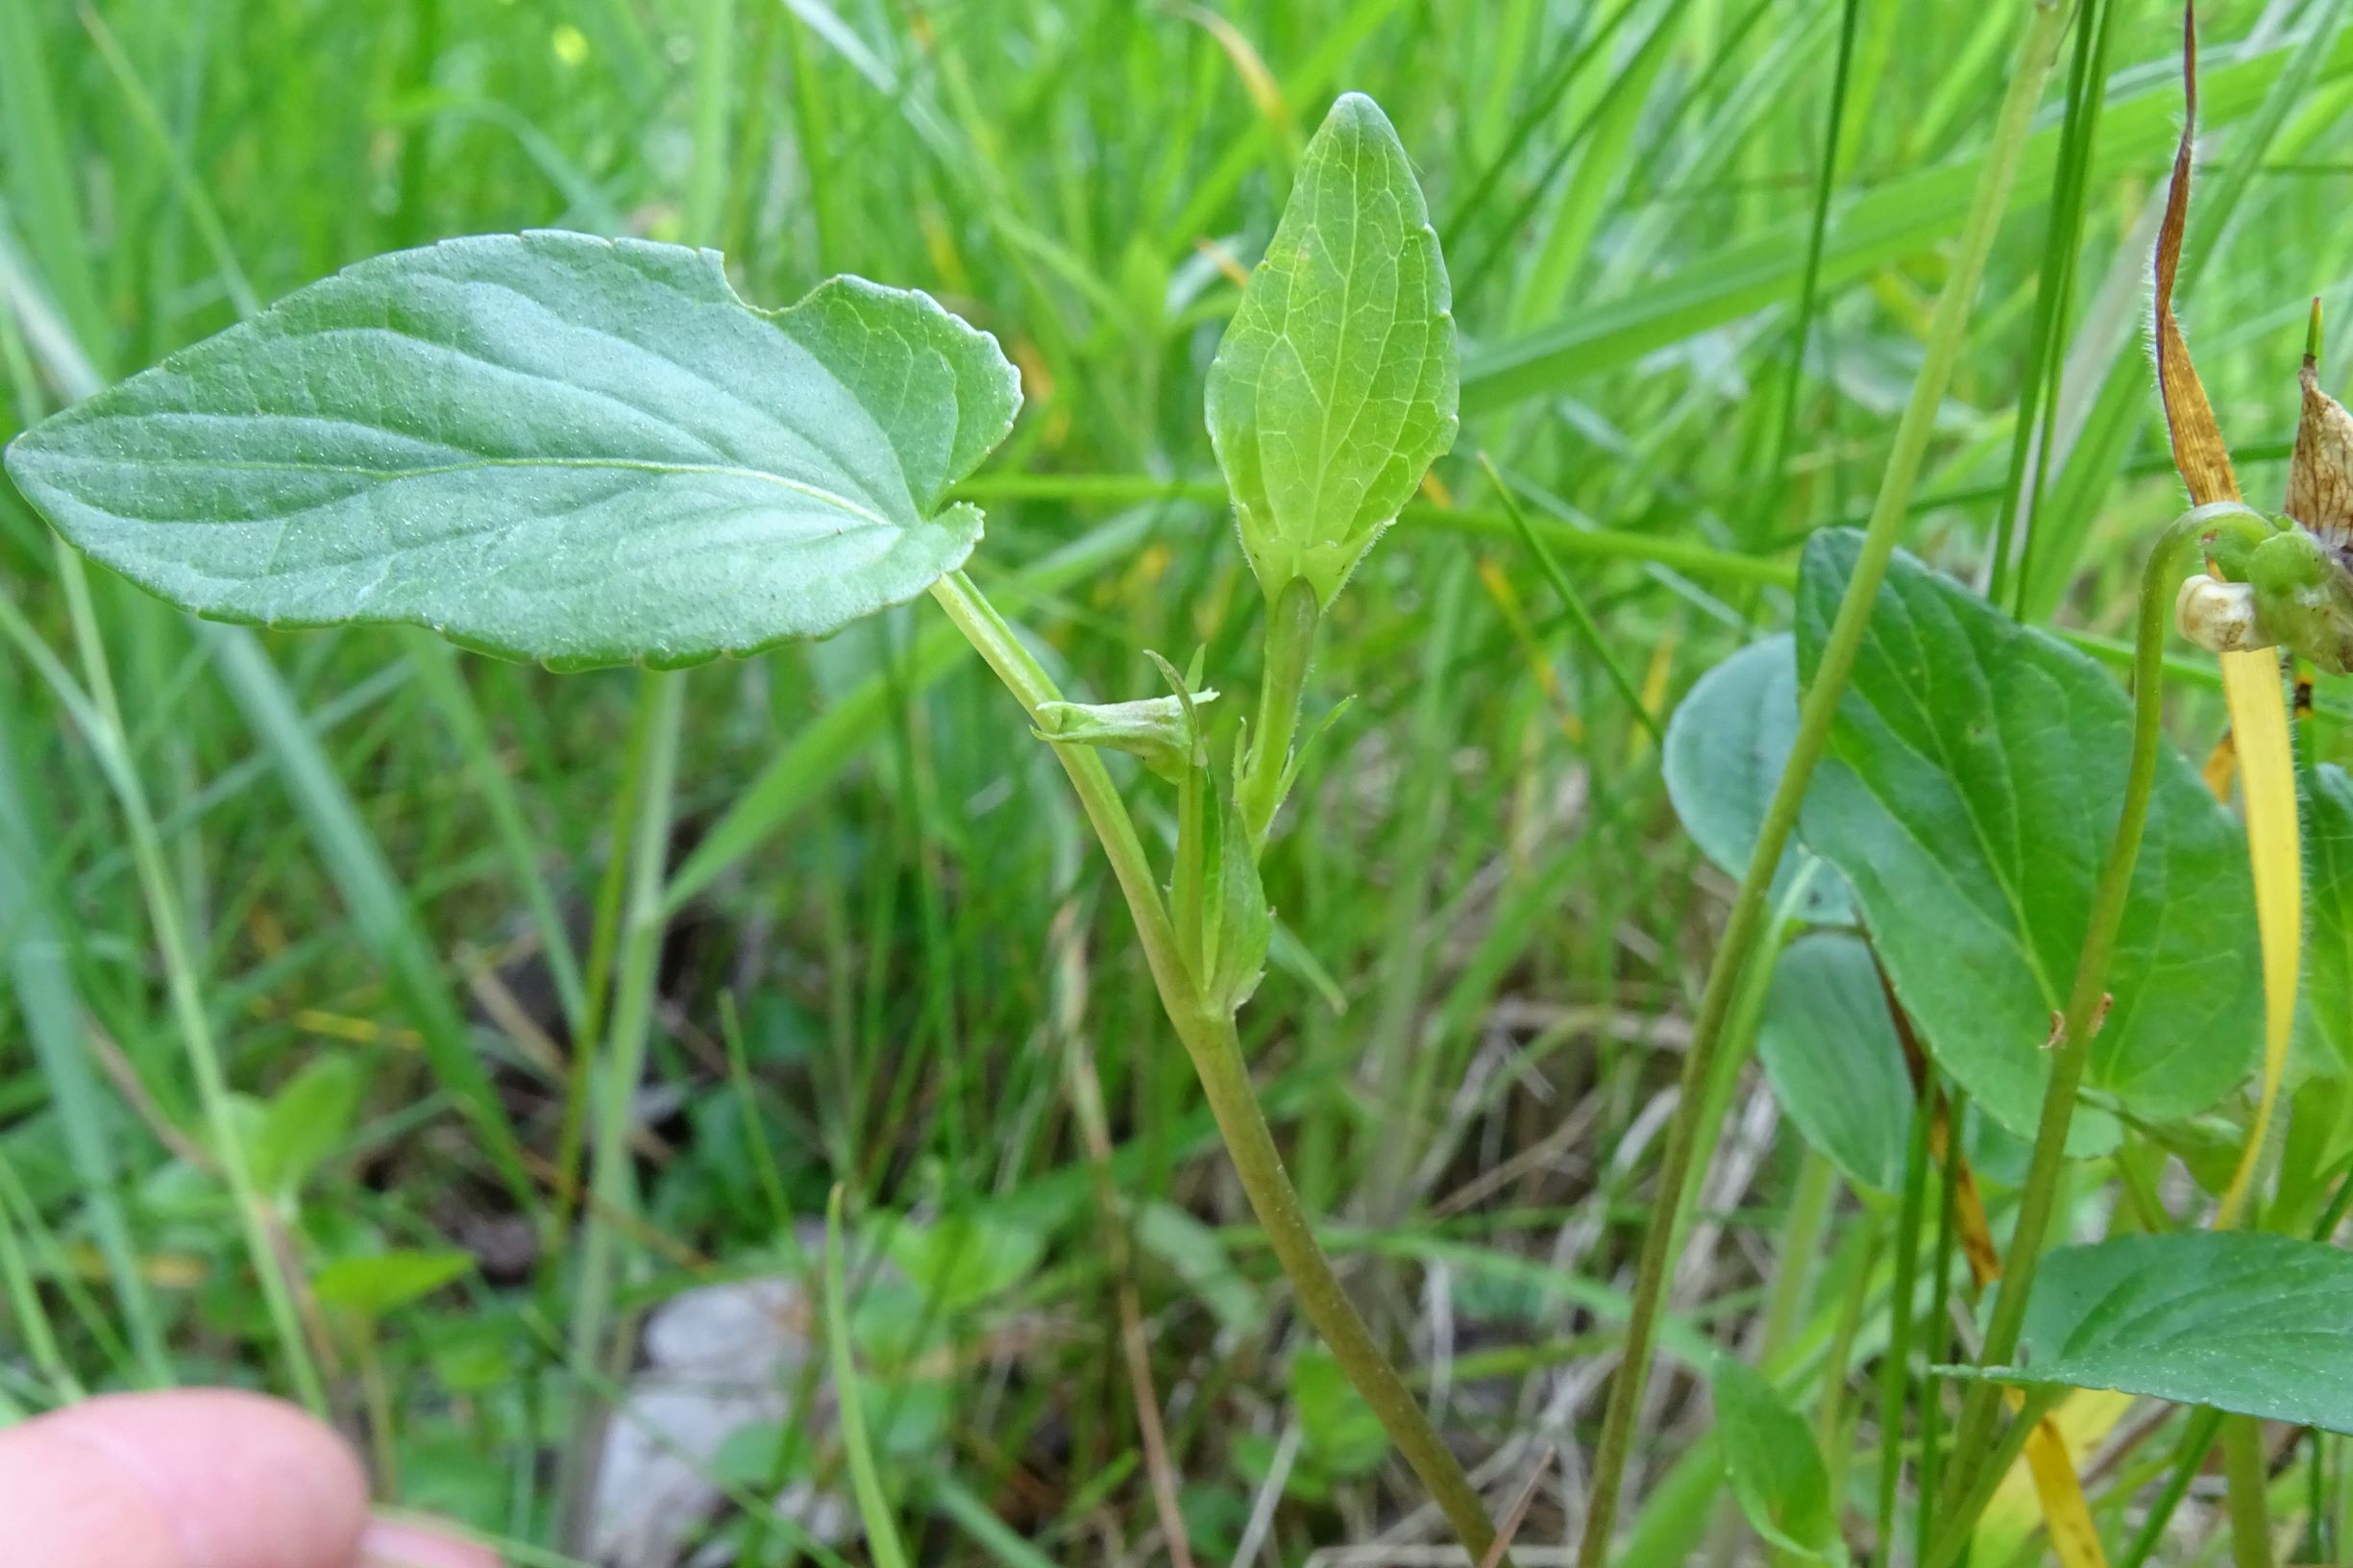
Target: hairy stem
(1838,654)
(1210,1039)
(2198,1441)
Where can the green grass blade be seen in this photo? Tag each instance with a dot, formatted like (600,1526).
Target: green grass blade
(1899,217)
(865,1481)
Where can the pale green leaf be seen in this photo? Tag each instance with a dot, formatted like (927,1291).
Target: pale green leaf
(2257,1324)
(1770,1460)
(1336,1428)
(548,446)
(305,1122)
(1199,1258)
(1971,785)
(370,1287)
(1726,747)
(1333,389)
(1829,1049)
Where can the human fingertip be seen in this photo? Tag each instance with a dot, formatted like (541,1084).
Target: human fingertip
(392,1543)
(194,1479)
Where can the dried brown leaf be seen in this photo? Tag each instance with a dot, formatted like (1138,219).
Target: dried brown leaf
(2321,476)
(2198,451)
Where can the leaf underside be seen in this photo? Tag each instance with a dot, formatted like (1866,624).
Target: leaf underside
(546,446)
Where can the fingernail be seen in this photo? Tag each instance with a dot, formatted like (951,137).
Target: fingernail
(390,1545)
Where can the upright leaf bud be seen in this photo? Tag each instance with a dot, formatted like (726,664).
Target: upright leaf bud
(1335,387)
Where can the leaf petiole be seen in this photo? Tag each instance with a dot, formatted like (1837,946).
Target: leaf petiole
(1291,620)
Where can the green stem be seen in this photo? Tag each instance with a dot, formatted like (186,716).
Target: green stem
(1939,1323)
(2038,1198)
(1809,1215)
(1830,1429)
(865,1480)
(662,699)
(1587,630)
(1210,1039)
(1291,642)
(1988,1476)
(596,985)
(1822,698)
(2197,1439)
(435,662)
(2249,1476)
(1895,1365)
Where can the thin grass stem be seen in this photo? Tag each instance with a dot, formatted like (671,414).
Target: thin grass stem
(2045,28)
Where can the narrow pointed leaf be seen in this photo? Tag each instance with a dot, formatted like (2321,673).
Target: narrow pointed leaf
(548,446)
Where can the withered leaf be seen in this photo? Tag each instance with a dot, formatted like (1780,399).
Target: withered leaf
(2320,475)
(2198,451)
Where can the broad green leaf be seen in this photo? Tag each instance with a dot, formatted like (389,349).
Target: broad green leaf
(1333,389)
(1972,784)
(1726,746)
(370,1287)
(2257,1324)
(305,1123)
(1775,1469)
(547,446)
(1831,1051)
(1336,1428)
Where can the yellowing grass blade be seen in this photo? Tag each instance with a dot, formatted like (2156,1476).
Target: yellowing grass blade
(2045,1474)
(2075,1540)
(2266,771)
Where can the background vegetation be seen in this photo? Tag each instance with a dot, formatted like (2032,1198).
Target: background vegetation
(1689,317)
